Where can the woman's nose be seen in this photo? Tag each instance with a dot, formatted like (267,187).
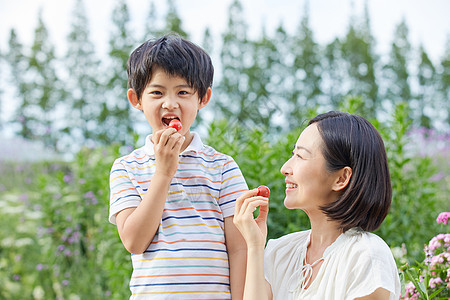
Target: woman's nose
(286,169)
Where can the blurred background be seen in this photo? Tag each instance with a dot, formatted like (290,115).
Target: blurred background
(64,116)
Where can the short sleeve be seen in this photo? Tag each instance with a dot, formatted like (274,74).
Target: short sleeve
(372,271)
(123,193)
(232,186)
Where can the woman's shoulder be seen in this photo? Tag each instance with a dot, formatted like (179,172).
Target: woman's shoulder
(371,262)
(289,241)
(366,246)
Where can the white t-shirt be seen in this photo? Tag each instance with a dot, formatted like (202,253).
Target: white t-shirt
(355,265)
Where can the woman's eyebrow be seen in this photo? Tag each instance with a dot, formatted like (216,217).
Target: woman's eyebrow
(303,148)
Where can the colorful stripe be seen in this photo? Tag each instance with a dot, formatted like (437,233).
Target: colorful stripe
(188,256)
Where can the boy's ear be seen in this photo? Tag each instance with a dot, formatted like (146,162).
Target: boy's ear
(132,97)
(343,178)
(205,98)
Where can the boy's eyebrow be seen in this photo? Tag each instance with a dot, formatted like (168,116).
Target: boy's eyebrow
(161,86)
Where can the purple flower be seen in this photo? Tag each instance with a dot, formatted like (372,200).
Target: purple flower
(437,177)
(67,178)
(65,282)
(16,277)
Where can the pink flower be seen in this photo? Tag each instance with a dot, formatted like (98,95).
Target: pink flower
(410,291)
(443,217)
(434,282)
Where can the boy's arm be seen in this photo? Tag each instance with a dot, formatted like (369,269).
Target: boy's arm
(137,225)
(237,257)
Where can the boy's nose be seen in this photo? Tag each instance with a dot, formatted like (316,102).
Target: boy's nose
(170,103)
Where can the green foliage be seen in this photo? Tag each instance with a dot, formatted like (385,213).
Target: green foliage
(55,241)
(414,196)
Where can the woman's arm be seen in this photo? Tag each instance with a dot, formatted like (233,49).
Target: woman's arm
(379,294)
(254,232)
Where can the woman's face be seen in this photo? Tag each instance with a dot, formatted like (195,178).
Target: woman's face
(308,183)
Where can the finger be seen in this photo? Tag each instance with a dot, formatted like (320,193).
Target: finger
(250,204)
(156,136)
(178,142)
(240,200)
(263,211)
(166,136)
(255,203)
(174,141)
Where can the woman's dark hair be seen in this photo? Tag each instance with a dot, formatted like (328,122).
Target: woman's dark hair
(350,140)
(177,57)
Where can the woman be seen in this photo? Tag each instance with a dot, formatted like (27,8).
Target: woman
(338,174)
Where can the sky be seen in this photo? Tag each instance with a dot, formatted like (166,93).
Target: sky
(428,20)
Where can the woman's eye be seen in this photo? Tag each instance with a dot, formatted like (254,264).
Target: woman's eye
(296,155)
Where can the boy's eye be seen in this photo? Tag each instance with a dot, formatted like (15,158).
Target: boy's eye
(183,92)
(156,93)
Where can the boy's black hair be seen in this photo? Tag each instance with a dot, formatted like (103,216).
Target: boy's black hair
(177,57)
(351,140)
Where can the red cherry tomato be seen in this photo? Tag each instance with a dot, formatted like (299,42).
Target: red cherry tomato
(175,124)
(263,191)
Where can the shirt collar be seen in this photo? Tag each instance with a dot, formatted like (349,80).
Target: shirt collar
(195,146)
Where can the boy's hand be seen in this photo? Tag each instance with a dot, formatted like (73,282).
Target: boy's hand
(167,147)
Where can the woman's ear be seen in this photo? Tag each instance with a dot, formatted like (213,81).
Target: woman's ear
(132,97)
(343,178)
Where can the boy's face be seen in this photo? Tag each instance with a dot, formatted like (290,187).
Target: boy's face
(167,97)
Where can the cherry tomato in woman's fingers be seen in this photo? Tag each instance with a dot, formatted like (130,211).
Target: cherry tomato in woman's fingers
(263,191)
(175,123)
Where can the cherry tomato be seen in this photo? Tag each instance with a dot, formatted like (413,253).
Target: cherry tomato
(175,124)
(263,191)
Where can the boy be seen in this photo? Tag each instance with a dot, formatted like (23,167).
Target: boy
(173,199)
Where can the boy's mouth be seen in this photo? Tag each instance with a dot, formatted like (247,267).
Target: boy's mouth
(166,120)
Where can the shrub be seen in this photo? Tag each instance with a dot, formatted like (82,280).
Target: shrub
(431,278)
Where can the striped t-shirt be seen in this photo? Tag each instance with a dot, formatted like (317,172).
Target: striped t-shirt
(187,258)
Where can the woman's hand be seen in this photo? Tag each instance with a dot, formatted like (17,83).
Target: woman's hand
(253,230)
(168,143)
